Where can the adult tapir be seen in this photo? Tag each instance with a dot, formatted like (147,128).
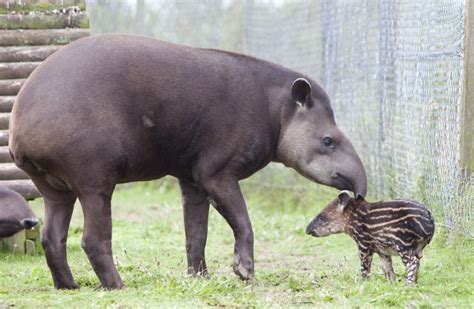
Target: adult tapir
(111,109)
(15,213)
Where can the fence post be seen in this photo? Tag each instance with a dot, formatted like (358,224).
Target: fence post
(467,99)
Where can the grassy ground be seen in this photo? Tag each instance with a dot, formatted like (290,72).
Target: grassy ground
(292,269)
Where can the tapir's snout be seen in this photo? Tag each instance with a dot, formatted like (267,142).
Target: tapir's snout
(29,223)
(310,229)
(352,177)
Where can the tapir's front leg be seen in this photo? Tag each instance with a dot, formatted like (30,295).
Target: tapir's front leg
(225,191)
(387,267)
(196,213)
(365,256)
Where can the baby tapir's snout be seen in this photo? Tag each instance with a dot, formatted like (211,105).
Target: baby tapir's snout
(397,227)
(15,213)
(332,219)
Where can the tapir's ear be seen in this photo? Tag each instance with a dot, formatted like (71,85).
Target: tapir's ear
(344,199)
(301,92)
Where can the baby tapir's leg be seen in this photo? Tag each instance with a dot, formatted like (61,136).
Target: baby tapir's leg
(387,267)
(365,255)
(412,264)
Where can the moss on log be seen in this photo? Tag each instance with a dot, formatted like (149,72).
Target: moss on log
(7,6)
(41,20)
(41,37)
(15,243)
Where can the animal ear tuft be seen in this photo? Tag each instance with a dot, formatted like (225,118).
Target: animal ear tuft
(301,91)
(344,199)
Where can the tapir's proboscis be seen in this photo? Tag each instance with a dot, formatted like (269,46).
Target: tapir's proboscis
(15,213)
(111,109)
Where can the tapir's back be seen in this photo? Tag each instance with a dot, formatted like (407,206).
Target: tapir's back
(136,99)
(403,223)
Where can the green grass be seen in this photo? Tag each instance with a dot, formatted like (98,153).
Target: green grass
(292,269)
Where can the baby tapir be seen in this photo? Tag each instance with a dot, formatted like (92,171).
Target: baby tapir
(15,213)
(397,227)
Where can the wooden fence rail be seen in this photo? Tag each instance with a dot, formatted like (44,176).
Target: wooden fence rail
(27,39)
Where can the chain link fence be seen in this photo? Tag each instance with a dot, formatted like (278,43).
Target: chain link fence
(392,68)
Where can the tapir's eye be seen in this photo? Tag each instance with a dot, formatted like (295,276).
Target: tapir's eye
(328,142)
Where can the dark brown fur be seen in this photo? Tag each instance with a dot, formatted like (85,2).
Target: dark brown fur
(398,227)
(15,213)
(118,108)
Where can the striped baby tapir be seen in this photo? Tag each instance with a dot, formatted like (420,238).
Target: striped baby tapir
(397,227)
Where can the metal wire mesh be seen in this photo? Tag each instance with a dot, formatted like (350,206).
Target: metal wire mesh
(392,68)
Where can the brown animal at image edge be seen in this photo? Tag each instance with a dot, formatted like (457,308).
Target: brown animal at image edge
(15,213)
(139,109)
(398,227)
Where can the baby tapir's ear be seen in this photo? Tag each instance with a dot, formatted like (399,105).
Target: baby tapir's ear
(344,198)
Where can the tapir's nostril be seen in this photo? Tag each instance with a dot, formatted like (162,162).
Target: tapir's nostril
(29,223)
(310,229)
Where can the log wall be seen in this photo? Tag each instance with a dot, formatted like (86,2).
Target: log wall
(27,39)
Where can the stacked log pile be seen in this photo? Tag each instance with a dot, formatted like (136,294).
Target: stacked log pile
(26,39)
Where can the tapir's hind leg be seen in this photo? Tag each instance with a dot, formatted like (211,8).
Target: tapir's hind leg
(196,213)
(97,237)
(58,211)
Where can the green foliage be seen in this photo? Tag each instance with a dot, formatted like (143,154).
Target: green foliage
(38,5)
(292,269)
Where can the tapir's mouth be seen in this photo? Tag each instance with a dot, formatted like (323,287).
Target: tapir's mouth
(312,233)
(8,228)
(310,230)
(342,182)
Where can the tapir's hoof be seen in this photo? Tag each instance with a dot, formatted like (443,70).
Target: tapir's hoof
(245,272)
(390,278)
(202,273)
(109,288)
(117,286)
(68,286)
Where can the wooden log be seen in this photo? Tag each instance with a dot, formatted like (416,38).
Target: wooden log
(26,53)
(33,233)
(41,37)
(39,5)
(11,86)
(14,70)
(9,171)
(68,18)
(15,243)
(25,187)
(30,247)
(4,121)
(6,103)
(5,155)
(4,134)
